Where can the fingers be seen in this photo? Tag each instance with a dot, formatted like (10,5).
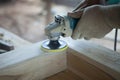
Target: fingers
(86,38)
(76,34)
(78,11)
(79,36)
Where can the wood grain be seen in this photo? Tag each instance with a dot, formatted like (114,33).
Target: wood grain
(89,71)
(29,61)
(64,75)
(85,60)
(101,57)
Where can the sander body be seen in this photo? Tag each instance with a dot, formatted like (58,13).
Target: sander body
(62,26)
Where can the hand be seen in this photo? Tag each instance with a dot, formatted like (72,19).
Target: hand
(92,24)
(77,12)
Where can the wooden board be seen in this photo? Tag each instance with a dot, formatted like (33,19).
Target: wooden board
(32,63)
(9,77)
(100,57)
(64,75)
(29,62)
(85,60)
(86,70)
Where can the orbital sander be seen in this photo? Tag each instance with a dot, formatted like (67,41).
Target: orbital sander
(54,30)
(62,26)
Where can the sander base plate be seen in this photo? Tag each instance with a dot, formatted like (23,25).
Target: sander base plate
(45,46)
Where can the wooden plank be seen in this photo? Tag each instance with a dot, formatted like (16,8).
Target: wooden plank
(86,70)
(32,62)
(101,57)
(9,77)
(64,75)
(29,62)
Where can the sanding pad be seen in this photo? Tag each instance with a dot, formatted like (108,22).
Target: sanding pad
(48,47)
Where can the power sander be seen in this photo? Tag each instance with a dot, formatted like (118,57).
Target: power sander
(62,26)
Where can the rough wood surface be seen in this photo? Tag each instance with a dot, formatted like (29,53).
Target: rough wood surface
(100,57)
(32,63)
(85,59)
(29,62)
(86,70)
(64,75)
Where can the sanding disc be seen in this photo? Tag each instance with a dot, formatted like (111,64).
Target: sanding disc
(45,46)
